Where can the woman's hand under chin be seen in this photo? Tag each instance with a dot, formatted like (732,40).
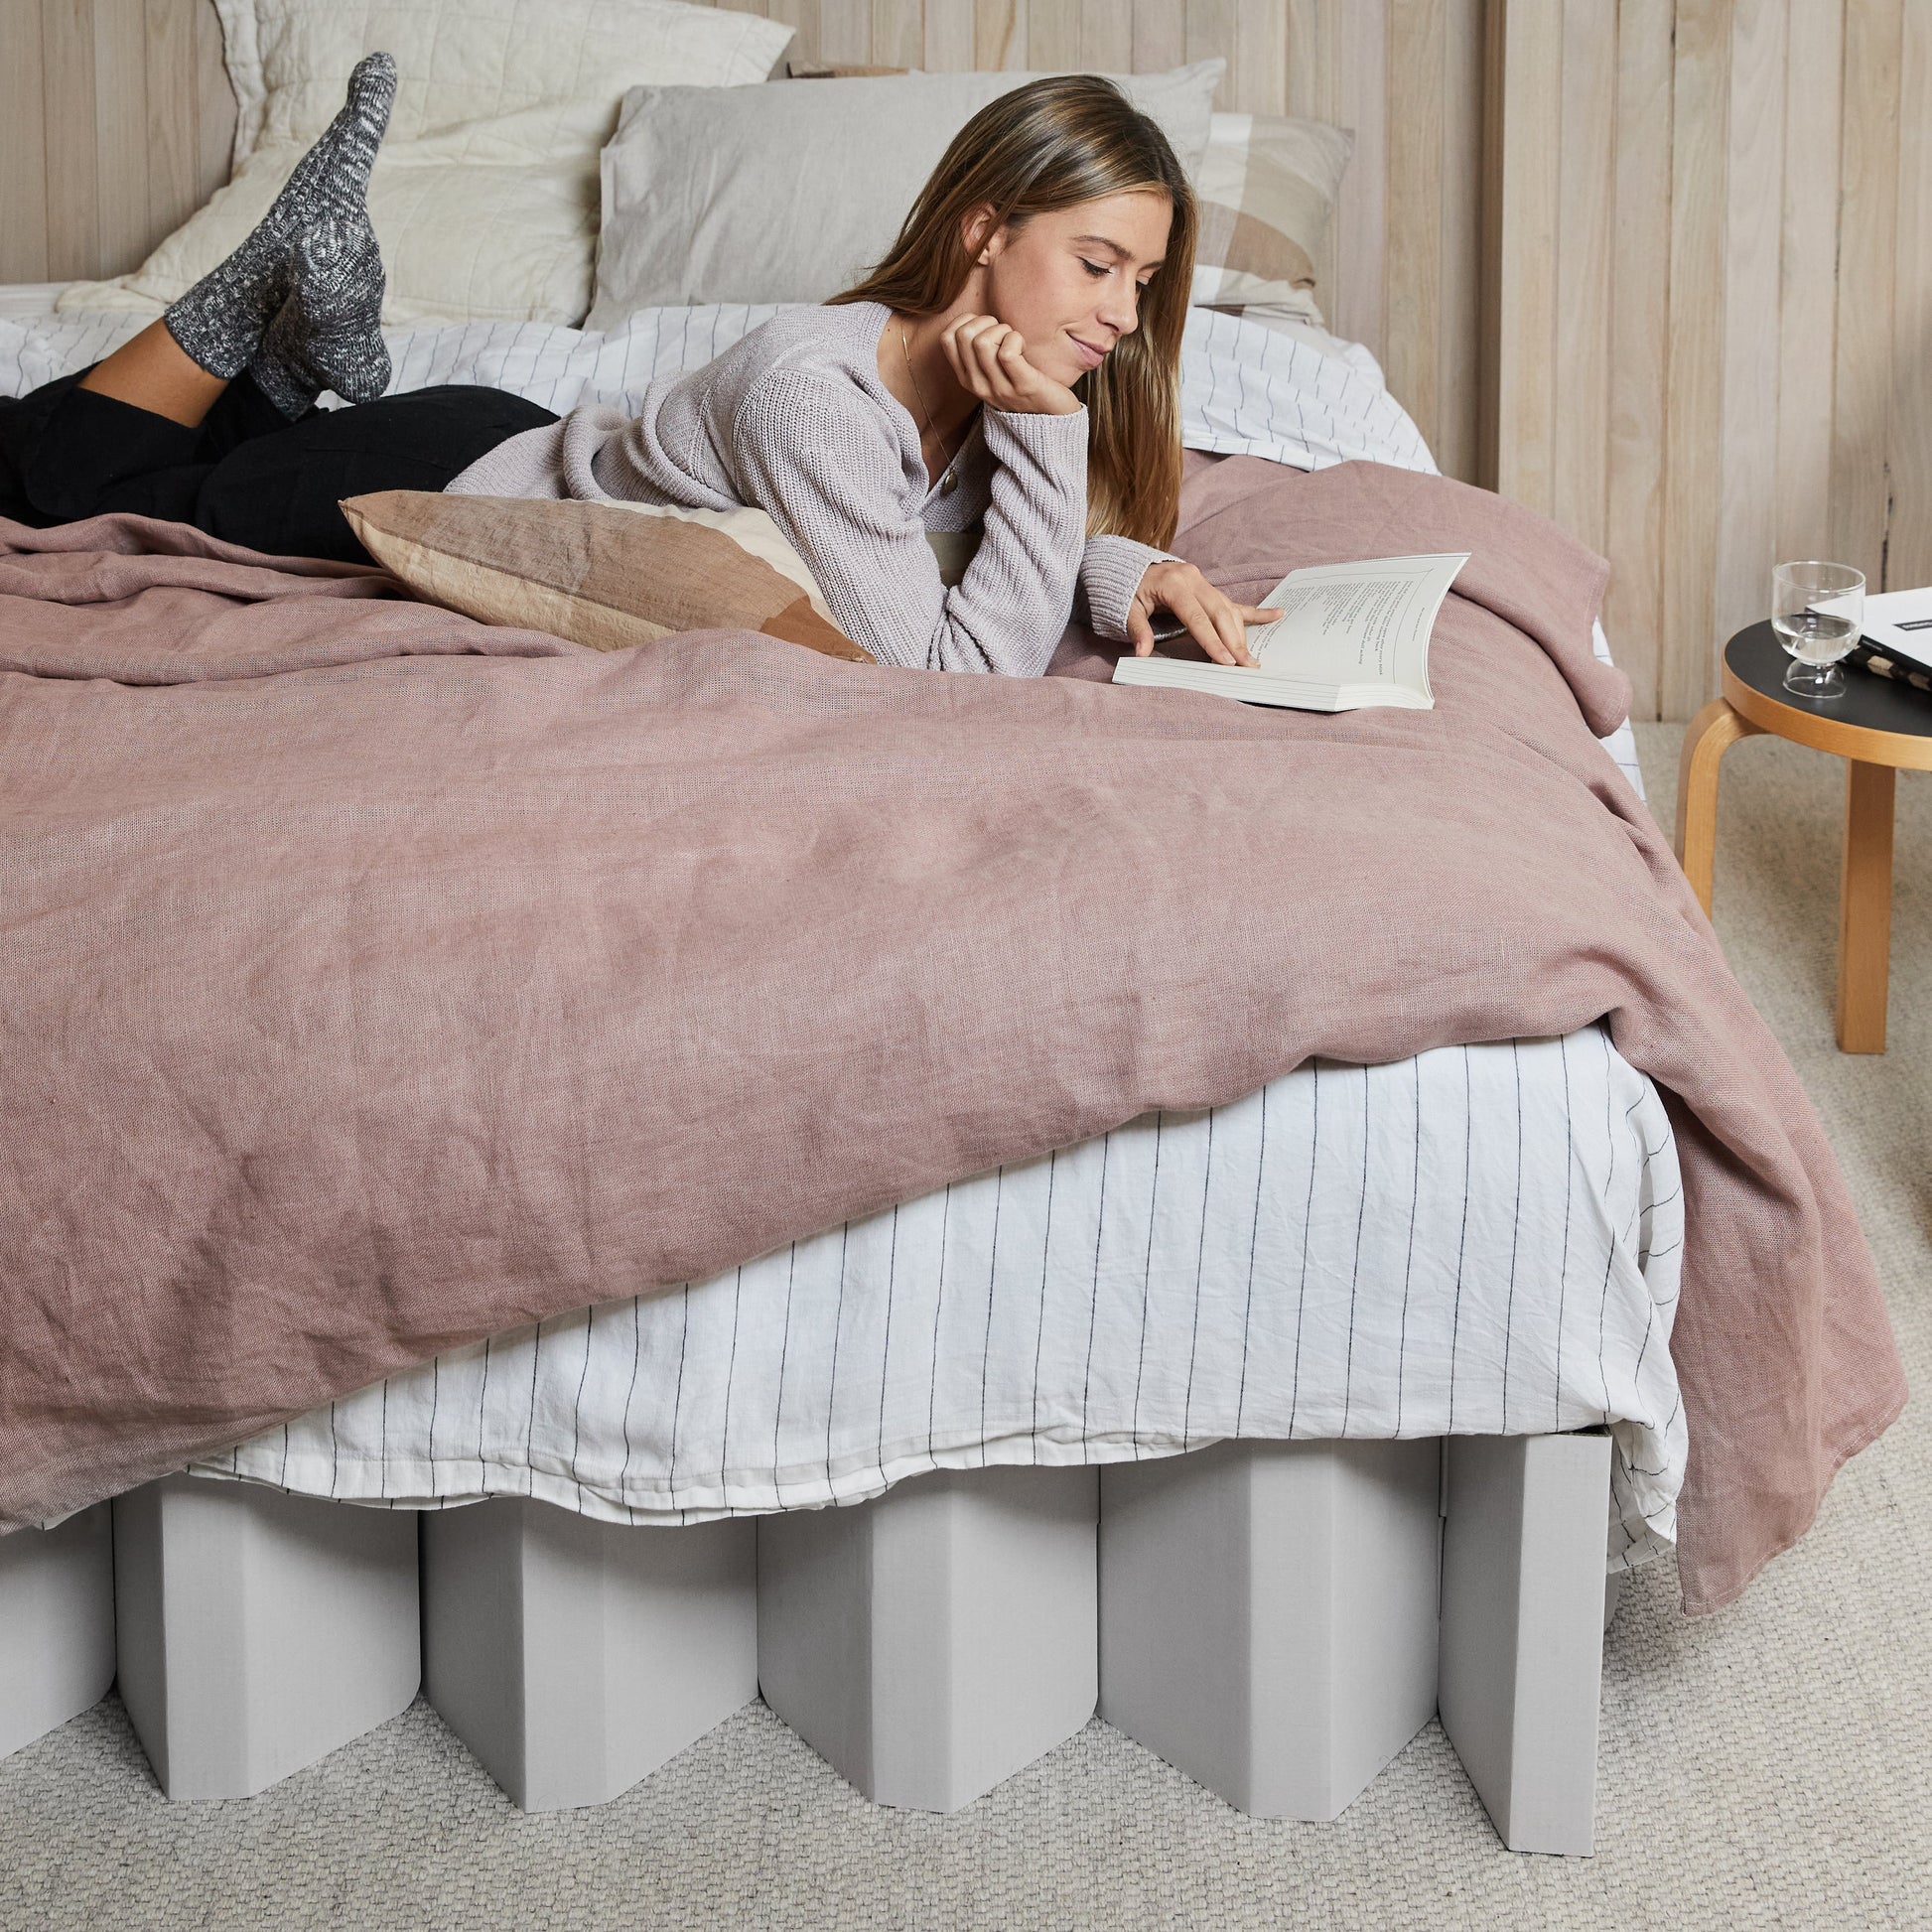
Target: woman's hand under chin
(990,360)
(1215,621)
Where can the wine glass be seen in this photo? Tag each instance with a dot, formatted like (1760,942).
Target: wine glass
(1817,611)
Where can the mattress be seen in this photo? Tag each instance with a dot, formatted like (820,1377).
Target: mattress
(1484,1239)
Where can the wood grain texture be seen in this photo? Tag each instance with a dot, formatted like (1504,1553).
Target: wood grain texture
(949,35)
(1053,34)
(898,35)
(1747,525)
(845,30)
(1639,345)
(1525,139)
(998,35)
(217,113)
(23,147)
(1359,51)
(1451,428)
(1908,547)
(1417,228)
(801,16)
(1159,35)
(1868,246)
(1107,35)
(1585,217)
(173,131)
(1257,66)
(1209,32)
(1692,496)
(1710,734)
(73,243)
(1865,906)
(123,164)
(1808,283)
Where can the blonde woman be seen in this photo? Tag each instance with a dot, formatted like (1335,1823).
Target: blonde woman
(1006,381)
(980,438)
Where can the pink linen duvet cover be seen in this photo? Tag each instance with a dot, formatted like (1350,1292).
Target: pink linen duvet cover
(376,981)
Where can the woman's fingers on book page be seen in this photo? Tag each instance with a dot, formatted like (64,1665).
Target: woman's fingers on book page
(1217,633)
(1212,619)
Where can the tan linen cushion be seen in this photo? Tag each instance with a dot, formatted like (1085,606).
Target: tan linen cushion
(484,196)
(1268,187)
(606,575)
(793,192)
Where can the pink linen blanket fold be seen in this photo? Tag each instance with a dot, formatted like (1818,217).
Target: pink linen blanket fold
(376,981)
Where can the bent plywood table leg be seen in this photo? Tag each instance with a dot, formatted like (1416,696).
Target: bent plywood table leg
(1710,734)
(1865,906)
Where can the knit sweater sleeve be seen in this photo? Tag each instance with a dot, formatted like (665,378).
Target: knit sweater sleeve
(1110,576)
(810,453)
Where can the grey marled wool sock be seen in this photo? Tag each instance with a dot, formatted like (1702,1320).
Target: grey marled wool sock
(328,334)
(221,320)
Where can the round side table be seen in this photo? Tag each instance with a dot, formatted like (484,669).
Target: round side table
(1876,726)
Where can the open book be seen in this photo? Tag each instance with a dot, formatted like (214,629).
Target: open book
(1349,635)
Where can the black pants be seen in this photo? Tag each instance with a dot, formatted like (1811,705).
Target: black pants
(246,474)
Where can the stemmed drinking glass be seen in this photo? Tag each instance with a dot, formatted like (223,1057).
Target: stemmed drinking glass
(1817,611)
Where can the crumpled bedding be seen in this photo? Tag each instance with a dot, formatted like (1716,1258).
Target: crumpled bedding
(379,982)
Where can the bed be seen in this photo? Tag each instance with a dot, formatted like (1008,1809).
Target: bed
(1368,1359)
(1006,1321)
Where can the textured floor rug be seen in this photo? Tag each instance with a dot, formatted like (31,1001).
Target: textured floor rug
(1767,1767)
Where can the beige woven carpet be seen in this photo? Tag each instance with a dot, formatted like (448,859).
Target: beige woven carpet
(1770,1765)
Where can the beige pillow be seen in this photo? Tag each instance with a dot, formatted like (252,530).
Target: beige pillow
(1268,187)
(606,575)
(484,196)
(791,193)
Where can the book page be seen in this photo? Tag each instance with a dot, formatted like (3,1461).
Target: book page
(1357,624)
(1349,634)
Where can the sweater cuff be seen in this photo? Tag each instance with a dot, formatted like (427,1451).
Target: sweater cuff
(1110,575)
(1057,444)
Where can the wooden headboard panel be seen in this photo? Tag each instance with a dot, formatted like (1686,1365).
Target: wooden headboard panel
(116,122)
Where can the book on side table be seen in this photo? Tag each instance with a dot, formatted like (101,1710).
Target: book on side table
(1349,635)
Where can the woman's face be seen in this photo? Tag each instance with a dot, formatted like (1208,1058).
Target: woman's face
(1070,282)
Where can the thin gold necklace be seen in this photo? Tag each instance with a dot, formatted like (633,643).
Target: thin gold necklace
(947,481)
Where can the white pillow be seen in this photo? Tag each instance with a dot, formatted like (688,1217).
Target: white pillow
(484,196)
(793,192)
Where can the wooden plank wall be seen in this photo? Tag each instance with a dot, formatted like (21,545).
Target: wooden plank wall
(1708,307)
(115,121)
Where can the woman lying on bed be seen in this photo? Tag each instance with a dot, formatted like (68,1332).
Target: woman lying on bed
(1021,345)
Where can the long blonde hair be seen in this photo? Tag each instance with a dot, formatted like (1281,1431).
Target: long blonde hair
(1044,147)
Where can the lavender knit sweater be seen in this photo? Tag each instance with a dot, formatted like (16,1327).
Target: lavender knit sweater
(796,421)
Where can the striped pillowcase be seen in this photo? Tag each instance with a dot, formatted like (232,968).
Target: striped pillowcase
(606,575)
(1267,188)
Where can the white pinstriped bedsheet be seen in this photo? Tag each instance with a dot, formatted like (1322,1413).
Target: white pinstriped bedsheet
(1482,1239)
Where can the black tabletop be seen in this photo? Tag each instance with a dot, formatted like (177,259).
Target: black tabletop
(1870,702)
